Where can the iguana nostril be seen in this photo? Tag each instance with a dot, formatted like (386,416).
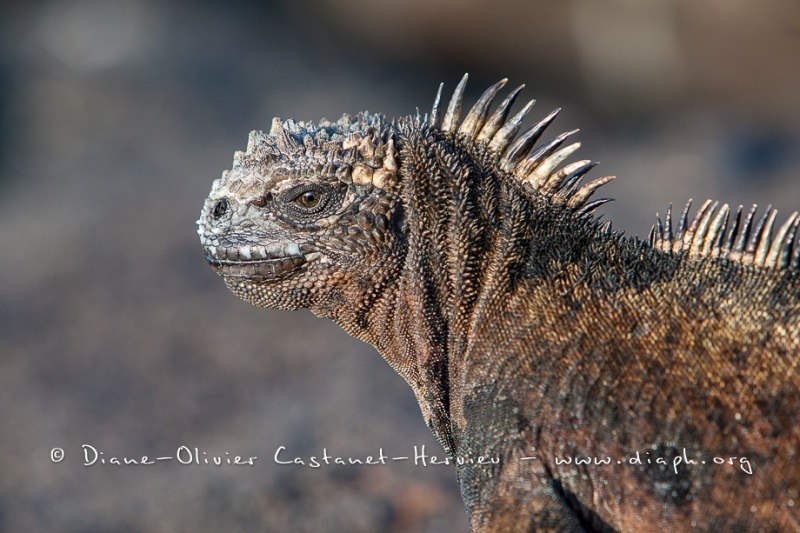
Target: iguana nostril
(220,208)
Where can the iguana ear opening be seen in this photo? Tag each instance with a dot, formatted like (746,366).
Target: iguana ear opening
(398,221)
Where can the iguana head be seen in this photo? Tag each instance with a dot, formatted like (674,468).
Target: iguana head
(304,209)
(317,215)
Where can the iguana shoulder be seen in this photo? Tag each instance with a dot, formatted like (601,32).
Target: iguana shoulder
(470,257)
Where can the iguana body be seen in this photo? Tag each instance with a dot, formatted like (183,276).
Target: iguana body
(529,332)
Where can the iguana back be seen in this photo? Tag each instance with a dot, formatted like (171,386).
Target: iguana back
(534,337)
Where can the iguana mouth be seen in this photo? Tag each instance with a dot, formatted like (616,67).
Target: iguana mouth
(256,268)
(255,261)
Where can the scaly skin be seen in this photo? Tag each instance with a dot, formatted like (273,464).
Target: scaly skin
(529,332)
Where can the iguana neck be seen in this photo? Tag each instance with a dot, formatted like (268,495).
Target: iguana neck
(474,240)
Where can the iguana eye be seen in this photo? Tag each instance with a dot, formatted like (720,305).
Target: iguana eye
(309,199)
(306,203)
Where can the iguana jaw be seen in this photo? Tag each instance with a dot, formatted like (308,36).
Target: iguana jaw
(257,262)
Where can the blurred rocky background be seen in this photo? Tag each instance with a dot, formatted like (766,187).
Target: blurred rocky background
(116,115)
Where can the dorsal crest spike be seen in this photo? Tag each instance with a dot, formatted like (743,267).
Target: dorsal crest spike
(543,160)
(795,263)
(476,118)
(586,192)
(790,243)
(498,118)
(683,225)
(732,232)
(591,206)
(522,146)
(454,108)
(699,224)
(716,231)
(776,254)
(570,176)
(755,236)
(763,246)
(668,222)
(741,241)
(433,119)
(501,139)
(544,172)
(658,227)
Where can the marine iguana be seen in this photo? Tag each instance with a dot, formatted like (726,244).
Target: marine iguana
(579,379)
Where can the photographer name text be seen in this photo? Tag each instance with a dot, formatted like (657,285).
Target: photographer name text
(92,456)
